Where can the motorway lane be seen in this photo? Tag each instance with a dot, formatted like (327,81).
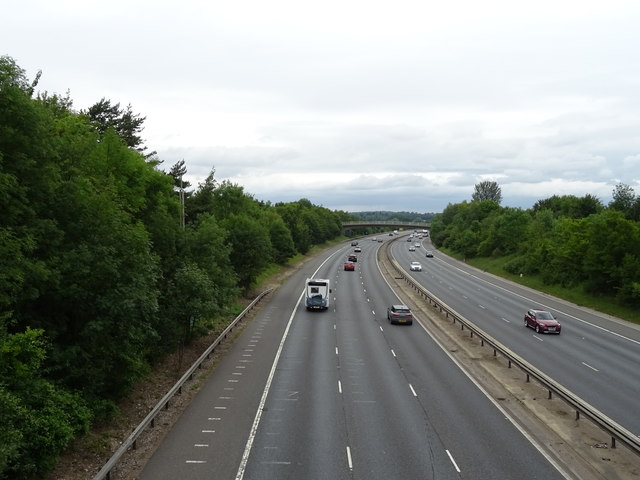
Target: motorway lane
(327,412)
(342,404)
(351,397)
(595,356)
(210,437)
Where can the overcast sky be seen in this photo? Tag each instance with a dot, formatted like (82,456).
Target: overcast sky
(359,105)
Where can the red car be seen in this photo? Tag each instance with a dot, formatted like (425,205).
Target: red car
(349,266)
(542,321)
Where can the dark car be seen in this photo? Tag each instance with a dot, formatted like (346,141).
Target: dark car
(429,254)
(399,314)
(352,258)
(349,266)
(353,244)
(542,321)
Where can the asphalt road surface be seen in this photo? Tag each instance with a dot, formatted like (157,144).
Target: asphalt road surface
(342,394)
(596,356)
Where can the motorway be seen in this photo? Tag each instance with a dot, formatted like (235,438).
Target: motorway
(342,394)
(596,357)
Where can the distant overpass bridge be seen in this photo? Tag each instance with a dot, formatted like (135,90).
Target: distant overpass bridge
(388,224)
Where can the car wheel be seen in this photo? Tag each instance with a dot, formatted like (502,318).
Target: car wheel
(537,328)
(526,324)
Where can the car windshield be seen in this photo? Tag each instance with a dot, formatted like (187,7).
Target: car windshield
(544,316)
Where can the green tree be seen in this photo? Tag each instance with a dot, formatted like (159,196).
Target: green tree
(280,236)
(487,190)
(251,249)
(613,250)
(503,232)
(190,300)
(39,419)
(291,214)
(128,125)
(623,200)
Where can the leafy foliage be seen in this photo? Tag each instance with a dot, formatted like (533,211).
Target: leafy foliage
(487,191)
(566,240)
(98,273)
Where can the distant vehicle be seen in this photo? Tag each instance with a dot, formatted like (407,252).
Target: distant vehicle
(379,240)
(349,266)
(429,254)
(409,239)
(353,244)
(317,292)
(352,258)
(399,314)
(542,321)
(415,267)
(374,239)
(417,244)
(357,249)
(412,248)
(391,234)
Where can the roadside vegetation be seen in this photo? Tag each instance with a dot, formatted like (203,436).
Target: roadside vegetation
(109,263)
(573,247)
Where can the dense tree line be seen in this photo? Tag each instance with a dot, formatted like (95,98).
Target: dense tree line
(565,240)
(101,272)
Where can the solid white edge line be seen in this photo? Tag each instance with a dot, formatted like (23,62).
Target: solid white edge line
(453,461)
(265,393)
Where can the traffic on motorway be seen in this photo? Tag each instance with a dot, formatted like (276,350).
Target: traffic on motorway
(357,390)
(593,355)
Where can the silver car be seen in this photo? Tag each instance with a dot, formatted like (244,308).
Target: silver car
(399,314)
